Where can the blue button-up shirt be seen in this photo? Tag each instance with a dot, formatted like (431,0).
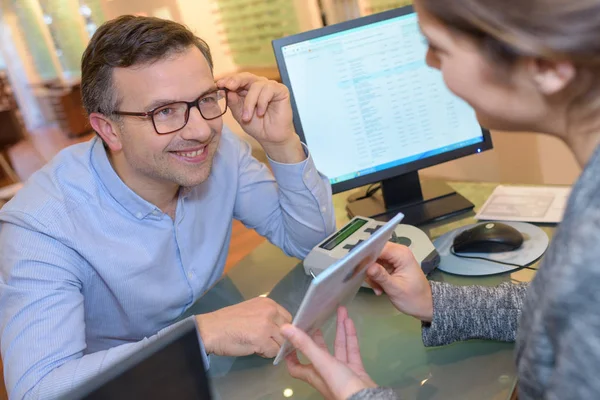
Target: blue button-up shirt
(90,271)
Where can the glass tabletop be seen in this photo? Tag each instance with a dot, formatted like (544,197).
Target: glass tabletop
(391,344)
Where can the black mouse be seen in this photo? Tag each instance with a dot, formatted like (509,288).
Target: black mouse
(491,237)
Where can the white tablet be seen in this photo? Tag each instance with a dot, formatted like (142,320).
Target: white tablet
(338,284)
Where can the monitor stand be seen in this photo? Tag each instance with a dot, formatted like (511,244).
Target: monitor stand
(420,203)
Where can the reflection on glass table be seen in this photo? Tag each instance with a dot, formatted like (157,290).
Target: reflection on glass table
(391,343)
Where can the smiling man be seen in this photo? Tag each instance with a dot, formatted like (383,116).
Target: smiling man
(106,247)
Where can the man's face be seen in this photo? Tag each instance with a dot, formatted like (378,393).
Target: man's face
(184,157)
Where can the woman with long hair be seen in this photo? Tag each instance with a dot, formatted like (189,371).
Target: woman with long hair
(523,65)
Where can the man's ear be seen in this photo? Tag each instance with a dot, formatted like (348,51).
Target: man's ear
(107,129)
(551,77)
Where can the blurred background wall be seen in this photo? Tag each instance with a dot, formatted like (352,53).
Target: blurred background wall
(41,42)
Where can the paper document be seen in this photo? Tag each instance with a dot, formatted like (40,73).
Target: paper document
(544,204)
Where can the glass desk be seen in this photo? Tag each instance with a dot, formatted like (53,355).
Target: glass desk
(391,345)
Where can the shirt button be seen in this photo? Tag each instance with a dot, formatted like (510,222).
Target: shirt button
(190,274)
(139,215)
(156,213)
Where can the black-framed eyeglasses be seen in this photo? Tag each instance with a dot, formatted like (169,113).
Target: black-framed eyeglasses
(173,117)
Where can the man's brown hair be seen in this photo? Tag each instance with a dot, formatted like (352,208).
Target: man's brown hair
(126,41)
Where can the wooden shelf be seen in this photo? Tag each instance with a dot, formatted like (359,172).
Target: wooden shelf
(63,102)
(11,122)
(267,72)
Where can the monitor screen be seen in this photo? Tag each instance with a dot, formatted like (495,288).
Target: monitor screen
(366,101)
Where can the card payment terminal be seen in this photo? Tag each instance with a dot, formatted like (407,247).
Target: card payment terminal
(356,231)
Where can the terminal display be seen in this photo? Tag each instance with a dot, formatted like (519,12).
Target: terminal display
(343,234)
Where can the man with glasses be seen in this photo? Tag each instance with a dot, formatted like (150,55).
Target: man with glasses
(106,248)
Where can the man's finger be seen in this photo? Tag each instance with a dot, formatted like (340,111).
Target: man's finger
(232,83)
(251,99)
(281,318)
(284,314)
(270,349)
(238,80)
(278,338)
(235,102)
(267,94)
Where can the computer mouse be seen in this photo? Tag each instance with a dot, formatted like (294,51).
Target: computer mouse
(490,237)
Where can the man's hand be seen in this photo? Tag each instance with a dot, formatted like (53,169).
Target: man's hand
(262,108)
(336,378)
(398,274)
(251,327)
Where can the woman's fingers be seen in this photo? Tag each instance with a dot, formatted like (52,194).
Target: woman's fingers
(340,351)
(318,355)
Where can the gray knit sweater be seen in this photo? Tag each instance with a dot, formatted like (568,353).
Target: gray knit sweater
(558,342)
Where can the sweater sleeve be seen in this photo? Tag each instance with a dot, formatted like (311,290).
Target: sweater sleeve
(474,312)
(375,394)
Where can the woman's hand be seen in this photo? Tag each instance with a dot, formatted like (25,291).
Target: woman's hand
(336,378)
(399,275)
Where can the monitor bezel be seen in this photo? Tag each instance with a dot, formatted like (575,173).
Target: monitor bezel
(279,44)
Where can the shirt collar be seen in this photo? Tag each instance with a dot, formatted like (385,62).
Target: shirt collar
(126,197)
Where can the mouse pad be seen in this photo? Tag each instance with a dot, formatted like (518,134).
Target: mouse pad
(534,245)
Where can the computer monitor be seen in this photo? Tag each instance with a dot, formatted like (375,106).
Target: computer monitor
(171,367)
(370,110)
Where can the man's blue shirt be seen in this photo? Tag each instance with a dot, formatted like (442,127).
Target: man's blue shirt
(90,271)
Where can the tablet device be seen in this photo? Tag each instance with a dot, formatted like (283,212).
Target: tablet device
(338,284)
(171,367)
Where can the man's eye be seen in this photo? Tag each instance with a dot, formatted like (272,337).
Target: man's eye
(165,112)
(209,99)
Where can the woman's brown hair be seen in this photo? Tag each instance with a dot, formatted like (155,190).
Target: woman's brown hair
(550,30)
